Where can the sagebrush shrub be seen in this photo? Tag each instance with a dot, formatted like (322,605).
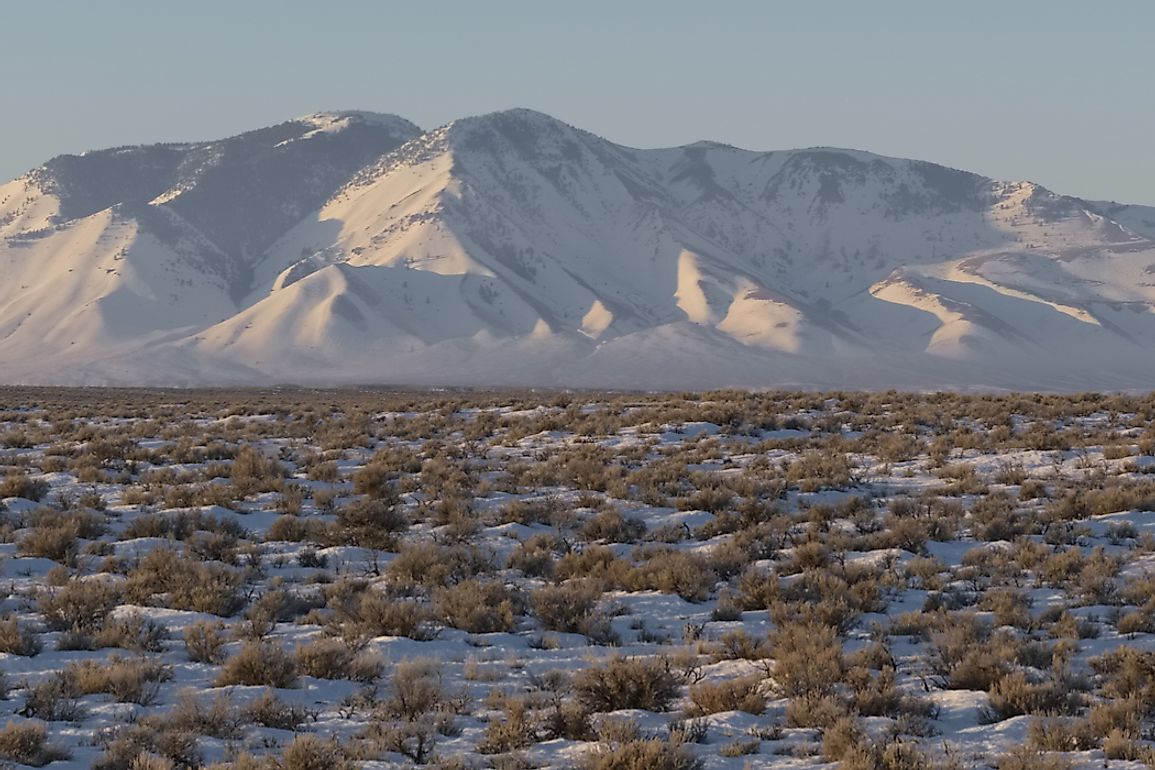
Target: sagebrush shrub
(535,556)
(218,718)
(413,739)
(333,659)
(254,471)
(204,642)
(807,660)
(479,606)
(567,607)
(27,743)
(133,632)
(127,747)
(644,754)
(737,694)
(369,613)
(297,529)
(271,711)
(514,729)
(1062,734)
(434,565)
(186,583)
(1024,758)
(79,606)
(673,572)
(17,638)
(841,738)
(612,527)
(128,680)
(369,523)
(628,683)
(58,543)
(309,752)
(415,688)
(815,711)
(1015,694)
(19,484)
(259,663)
(54,698)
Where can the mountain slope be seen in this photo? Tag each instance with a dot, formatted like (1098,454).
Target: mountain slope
(111,250)
(512,248)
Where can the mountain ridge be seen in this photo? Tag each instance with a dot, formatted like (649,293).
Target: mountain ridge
(514,249)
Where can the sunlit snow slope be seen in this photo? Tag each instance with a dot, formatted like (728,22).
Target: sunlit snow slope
(512,249)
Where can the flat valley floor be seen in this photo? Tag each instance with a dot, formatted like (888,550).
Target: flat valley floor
(600,581)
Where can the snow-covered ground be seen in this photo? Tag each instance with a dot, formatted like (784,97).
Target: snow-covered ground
(728,580)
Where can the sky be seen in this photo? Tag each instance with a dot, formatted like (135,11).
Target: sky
(1055,91)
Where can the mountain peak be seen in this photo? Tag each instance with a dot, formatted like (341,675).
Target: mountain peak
(524,115)
(339,119)
(519,128)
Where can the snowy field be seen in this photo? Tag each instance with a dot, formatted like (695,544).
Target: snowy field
(298,580)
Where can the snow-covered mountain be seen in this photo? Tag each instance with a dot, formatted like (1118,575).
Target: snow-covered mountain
(512,249)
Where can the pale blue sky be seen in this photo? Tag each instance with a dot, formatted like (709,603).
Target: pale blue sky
(1056,91)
